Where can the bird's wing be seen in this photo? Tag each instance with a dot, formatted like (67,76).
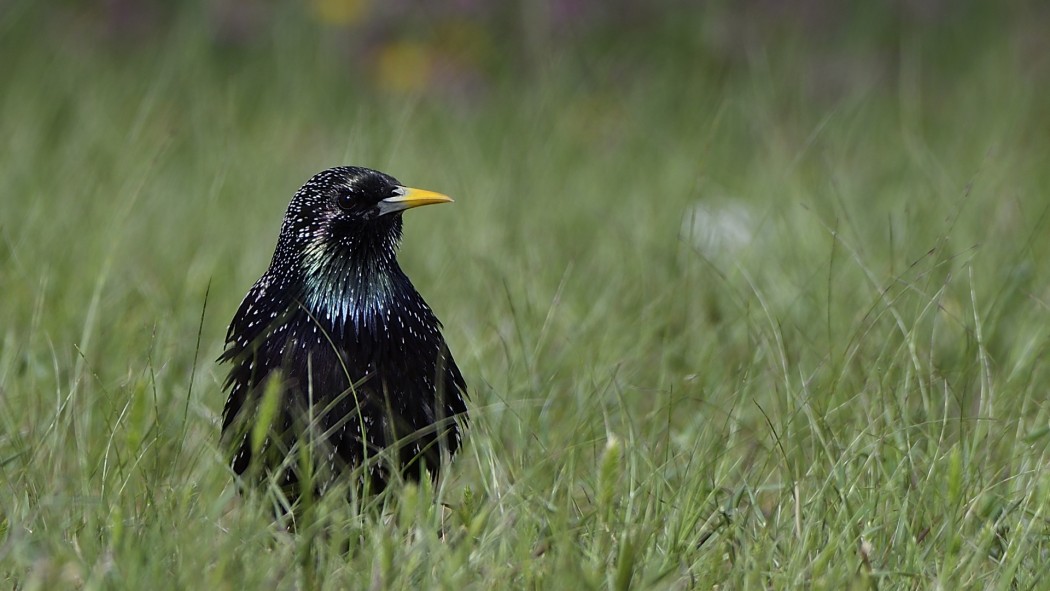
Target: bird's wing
(256,334)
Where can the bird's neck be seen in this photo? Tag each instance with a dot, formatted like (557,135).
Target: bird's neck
(354,290)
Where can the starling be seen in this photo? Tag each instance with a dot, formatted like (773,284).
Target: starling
(335,350)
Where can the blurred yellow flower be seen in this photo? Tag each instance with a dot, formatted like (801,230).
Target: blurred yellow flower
(404,66)
(339,12)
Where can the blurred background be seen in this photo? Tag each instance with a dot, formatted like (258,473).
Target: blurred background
(162,140)
(694,117)
(461,50)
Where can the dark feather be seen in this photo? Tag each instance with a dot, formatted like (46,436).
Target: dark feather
(362,362)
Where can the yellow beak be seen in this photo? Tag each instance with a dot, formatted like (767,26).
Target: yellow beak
(407,198)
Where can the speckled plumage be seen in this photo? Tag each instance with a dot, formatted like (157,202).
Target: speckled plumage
(333,310)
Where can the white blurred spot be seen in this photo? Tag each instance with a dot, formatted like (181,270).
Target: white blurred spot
(717,228)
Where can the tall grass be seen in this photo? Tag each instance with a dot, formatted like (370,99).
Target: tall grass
(849,391)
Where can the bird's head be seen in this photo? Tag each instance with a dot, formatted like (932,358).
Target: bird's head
(349,215)
(337,251)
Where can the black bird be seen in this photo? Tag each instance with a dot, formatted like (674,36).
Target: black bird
(363,376)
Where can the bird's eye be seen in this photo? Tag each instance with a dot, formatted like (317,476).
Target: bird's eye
(345,200)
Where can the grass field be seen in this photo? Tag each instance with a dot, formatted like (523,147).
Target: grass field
(776,323)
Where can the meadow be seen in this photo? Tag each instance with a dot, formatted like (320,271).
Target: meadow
(775,320)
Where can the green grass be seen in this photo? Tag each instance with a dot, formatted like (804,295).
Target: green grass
(856,397)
